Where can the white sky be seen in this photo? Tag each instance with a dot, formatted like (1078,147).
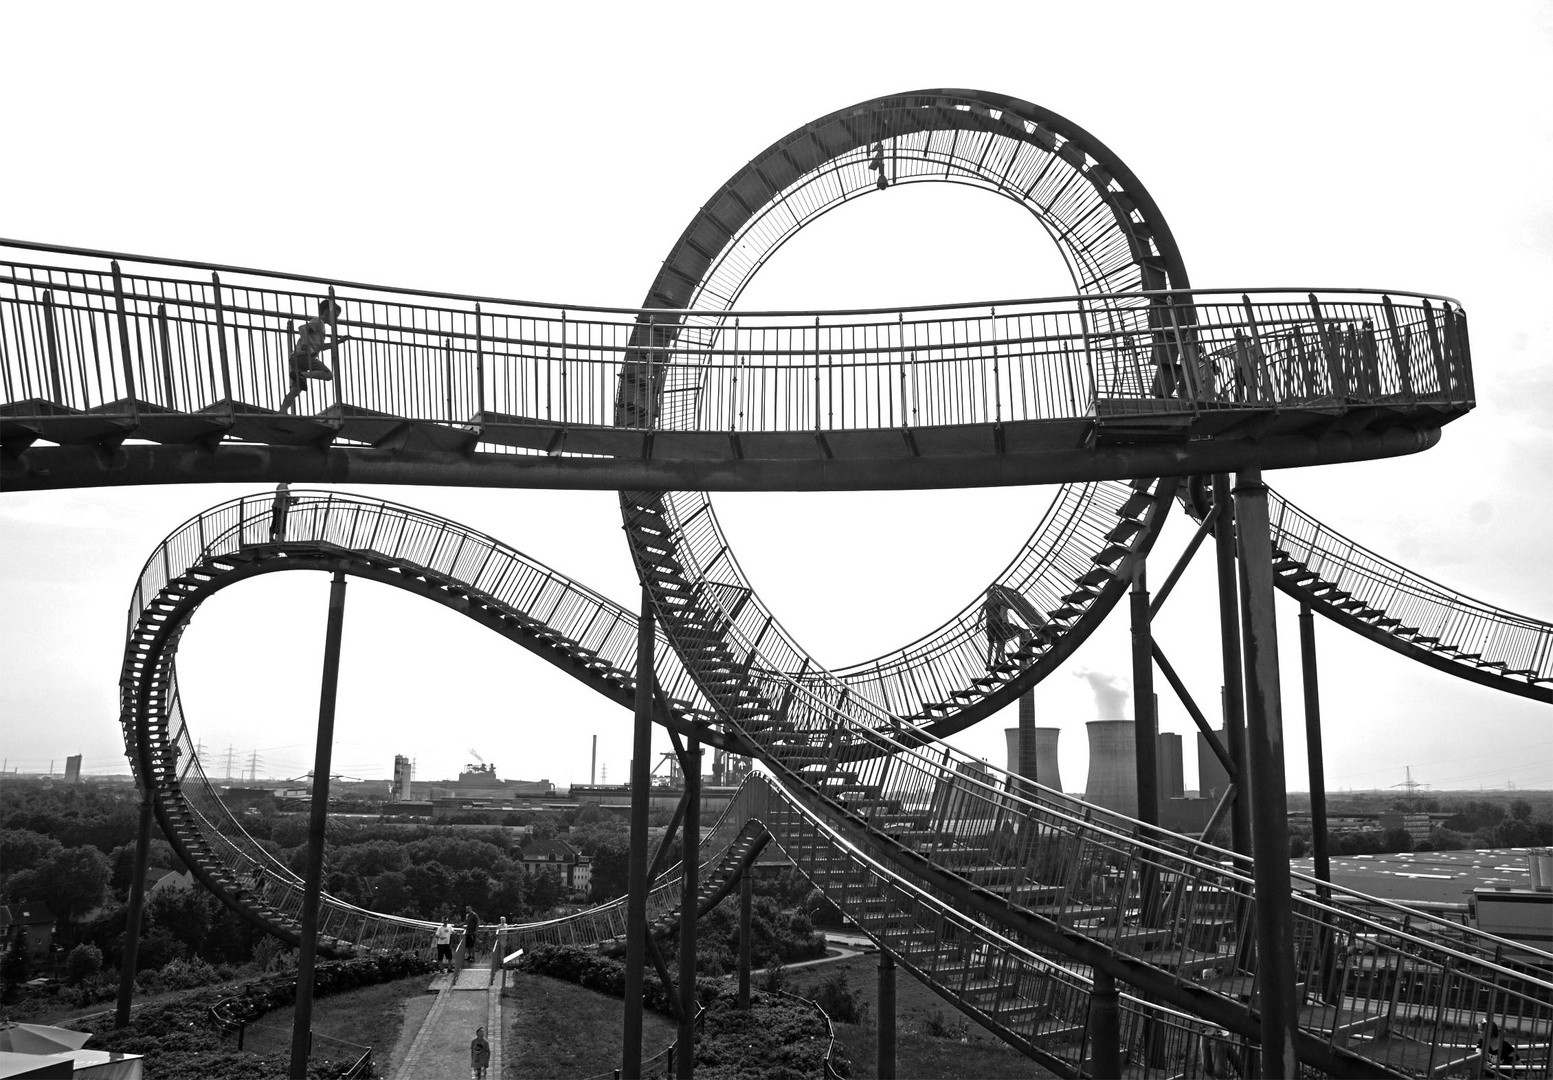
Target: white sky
(542,155)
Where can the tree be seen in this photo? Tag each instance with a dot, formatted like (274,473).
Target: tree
(23,849)
(83,962)
(611,864)
(73,881)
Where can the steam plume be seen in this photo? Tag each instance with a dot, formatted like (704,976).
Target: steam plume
(1111,693)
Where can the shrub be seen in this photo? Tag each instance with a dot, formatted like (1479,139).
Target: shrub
(840,1002)
(83,962)
(774,978)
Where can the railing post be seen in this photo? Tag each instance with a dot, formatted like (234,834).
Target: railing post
(137,907)
(339,353)
(301,1031)
(1337,384)
(51,337)
(479,364)
(129,366)
(169,386)
(226,364)
(1269,802)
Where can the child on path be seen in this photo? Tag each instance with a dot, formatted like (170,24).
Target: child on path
(479,1055)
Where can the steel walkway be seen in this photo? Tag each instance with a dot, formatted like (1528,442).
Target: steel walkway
(1001,896)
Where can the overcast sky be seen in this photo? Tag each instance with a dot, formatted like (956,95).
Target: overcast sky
(537,154)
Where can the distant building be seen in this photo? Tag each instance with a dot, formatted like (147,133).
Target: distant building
(1417,826)
(403,778)
(1212,777)
(474,782)
(582,874)
(73,769)
(556,858)
(1171,772)
(33,918)
(172,881)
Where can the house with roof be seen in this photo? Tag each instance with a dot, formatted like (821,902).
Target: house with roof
(554,857)
(33,921)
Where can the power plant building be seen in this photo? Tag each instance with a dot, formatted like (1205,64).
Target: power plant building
(1046,771)
(1170,771)
(1212,777)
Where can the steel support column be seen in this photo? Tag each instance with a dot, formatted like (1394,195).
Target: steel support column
(886,1054)
(1105,1027)
(1028,765)
(323,755)
(746,898)
(1145,724)
(685,1057)
(636,869)
(137,908)
(1234,688)
(1318,780)
(1269,797)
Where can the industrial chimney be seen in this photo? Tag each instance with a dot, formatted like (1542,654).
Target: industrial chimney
(1113,766)
(1046,773)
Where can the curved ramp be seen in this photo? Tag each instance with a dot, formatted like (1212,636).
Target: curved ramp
(1002,898)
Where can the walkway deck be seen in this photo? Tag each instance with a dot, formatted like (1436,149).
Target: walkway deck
(465,1001)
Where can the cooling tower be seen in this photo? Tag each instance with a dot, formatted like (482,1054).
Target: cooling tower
(1113,766)
(1046,772)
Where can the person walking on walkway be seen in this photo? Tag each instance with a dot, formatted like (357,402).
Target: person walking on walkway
(471,934)
(479,1055)
(282,505)
(499,952)
(444,942)
(313,339)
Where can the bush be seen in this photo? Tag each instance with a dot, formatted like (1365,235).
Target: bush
(603,974)
(840,1002)
(83,962)
(774,978)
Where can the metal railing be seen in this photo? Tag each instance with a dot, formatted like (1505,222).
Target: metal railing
(80,335)
(1475,630)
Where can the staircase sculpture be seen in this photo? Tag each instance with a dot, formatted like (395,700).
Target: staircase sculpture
(1005,898)
(1000,896)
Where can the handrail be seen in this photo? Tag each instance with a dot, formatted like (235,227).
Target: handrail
(121,347)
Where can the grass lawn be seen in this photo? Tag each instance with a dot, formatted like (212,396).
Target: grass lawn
(559,1031)
(371,1016)
(917,1054)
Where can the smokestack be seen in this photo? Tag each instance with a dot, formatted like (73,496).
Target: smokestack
(1046,771)
(593,767)
(1171,774)
(1113,766)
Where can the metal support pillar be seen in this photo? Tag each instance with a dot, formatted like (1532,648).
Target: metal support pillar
(746,898)
(137,909)
(1028,765)
(1105,1027)
(1145,724)
(1269,802)
(1318,780)
(307,953)
(636,868)
(886,1055)
(685,1058)
(1234,688)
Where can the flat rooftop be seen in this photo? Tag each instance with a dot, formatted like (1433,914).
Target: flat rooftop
(1436,876)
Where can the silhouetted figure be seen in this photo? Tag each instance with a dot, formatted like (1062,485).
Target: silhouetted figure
(1497,1050)
(284,501)
(471,933)
(876,165)
(312,340)
(1220,1055)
